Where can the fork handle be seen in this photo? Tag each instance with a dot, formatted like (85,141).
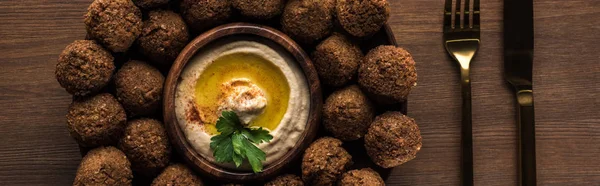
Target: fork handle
(527,163)
(466,130)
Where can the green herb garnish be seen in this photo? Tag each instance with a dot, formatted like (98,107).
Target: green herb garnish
(236,143)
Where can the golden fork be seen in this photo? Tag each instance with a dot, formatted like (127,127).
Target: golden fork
(461,39)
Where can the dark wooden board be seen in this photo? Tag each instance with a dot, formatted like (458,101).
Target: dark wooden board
(35,148)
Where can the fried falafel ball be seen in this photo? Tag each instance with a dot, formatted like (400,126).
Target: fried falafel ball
(259,9)
(104,166)
(324,162)
(96,121)
(139,88)
(286,180)
(362,18)
(114,23)
(201,15)
(164,35)
(336,60)
(308,21)
(393,139)
(147,146)
(84,68)
(388,74)
(177,174)
(347,113)
(366,176)
(149,4)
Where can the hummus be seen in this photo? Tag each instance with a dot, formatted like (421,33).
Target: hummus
(255,78)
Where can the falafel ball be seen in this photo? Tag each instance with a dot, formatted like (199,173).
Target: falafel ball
(149,4)
(308,21)
(84,68)
(362,18)
(96,121)
(177,174)
(286,180)
(201,15)
(366,176)
(324,162)
(164,35)
(115,23)
(259,9)
(147,146)
(393,139)
(388,74)
(104,166)
(336,60)
(139,88)
(347,113)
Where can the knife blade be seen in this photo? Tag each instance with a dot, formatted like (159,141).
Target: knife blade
(518,70)
(518,41)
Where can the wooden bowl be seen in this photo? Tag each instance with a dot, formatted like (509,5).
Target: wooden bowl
(178,139)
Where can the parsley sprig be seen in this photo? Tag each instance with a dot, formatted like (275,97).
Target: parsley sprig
(236,143)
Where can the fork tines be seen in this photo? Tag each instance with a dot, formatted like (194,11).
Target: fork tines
(461,14)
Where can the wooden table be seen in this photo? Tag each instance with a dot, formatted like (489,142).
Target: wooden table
(36,149)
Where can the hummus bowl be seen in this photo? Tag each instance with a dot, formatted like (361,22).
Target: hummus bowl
(273,74)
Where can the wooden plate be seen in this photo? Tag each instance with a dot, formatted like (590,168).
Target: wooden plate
(178,139)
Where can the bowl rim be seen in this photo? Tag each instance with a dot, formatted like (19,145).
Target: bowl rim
(176,135)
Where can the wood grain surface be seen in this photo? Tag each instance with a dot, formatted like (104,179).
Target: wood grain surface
(36,149)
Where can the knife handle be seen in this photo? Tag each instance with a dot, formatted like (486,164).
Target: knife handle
(466,130)
(527,163)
